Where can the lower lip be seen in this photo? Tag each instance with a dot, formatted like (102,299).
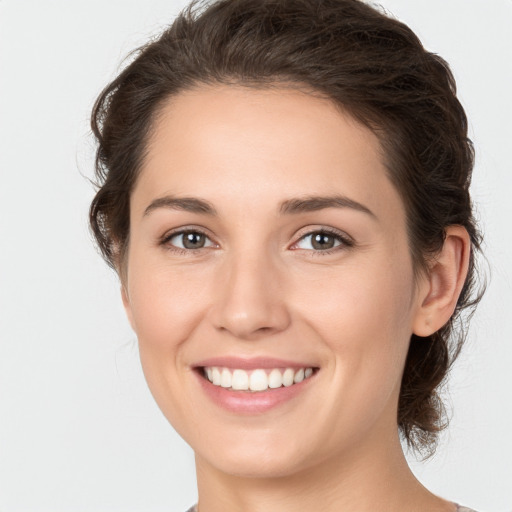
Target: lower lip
(247,402)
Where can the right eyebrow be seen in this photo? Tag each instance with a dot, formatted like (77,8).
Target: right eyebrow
(186,204)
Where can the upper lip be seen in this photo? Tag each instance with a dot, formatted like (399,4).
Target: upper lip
(252,363)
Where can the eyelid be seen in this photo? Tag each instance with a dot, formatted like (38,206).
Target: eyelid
(325,229)
(346,241)
(165,239)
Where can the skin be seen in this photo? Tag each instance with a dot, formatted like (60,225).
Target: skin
(260,288)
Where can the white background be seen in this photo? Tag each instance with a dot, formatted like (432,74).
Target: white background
(78,428)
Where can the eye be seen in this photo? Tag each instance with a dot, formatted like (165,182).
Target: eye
(323,240)
(188,240)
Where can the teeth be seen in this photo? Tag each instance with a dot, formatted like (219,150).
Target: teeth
(288,377)
(275,379)
(225,378)
(299,376)
(240,380)
(255,380)
(258,380)
(215,376)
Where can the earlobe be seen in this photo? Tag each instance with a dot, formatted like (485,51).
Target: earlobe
(127,305)
(443,284)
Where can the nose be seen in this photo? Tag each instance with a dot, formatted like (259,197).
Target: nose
(250,302)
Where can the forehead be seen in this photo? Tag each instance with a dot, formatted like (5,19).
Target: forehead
(258,146)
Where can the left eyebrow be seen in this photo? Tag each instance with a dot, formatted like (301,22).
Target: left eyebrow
(314,203)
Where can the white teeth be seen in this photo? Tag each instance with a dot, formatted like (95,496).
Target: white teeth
(255,380)
(225,378)
(215,376)
(240,380)
(299,376)
(288,377)
(258,380)
(275,379)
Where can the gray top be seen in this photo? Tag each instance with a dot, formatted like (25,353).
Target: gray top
(459,509)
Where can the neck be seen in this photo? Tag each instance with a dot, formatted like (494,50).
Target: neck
(376,477)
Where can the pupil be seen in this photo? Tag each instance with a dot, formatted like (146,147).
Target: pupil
(323,241)
(193,240)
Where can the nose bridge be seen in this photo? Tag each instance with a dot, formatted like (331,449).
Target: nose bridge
(250,299)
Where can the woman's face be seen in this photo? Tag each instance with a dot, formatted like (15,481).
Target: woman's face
(295,257)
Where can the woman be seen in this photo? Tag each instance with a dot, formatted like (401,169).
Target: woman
(284,192)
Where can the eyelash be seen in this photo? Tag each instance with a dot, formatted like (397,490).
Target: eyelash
(345,241)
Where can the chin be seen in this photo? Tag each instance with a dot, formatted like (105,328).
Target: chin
(256,460)
(263,466)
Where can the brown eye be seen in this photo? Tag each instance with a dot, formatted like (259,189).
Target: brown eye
(323,241)
(193,240)
(189,240)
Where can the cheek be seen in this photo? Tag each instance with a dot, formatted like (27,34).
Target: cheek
(369,295)
(363,313)
(363,316)
(164,303)
(165,307)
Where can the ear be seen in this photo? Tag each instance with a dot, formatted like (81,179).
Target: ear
(440,289)
(127,305)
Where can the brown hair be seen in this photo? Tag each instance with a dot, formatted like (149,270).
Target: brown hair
(370,65)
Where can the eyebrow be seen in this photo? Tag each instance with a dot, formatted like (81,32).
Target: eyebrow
(288,207)
(186,204)
(314,203)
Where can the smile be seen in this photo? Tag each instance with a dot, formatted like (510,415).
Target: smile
(256,380)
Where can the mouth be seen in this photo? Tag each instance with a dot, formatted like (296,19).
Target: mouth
(253,387)
(257,380)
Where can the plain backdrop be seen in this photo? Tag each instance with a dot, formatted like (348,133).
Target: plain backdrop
(78,428)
